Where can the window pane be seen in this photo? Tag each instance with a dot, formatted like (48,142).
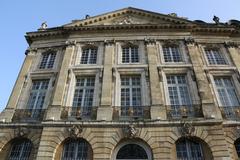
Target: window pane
(171,54)
(214,56)
(37,94)
(84,92)
(75,150)
(47,60)
(89,56)
(226,91)
(20,150)
(130,55)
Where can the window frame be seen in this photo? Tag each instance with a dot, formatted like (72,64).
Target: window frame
(25,143)
(223,51)
(90,52)
(181,48)
(188,147)
(50,53)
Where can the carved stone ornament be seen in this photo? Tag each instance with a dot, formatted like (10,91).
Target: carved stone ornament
(30,50)
(109,42)
(216,19)
(189,40)
(130,131)
(70,43)
(21,131)
(149,41)
(187,129)
(126,20)
(43,26)
(230,44)
(75,131)
(171,42)
(237,130)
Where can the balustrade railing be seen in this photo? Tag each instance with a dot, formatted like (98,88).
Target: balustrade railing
(79,113)
(230,112)
(131,112)
(28,115)
(184,111)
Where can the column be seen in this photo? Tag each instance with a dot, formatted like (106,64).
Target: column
(54,110)
(158,110)
(210,110)
(105,109)
(8,112)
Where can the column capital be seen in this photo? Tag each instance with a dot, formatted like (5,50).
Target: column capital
(190,41)
(149,41)
(30,50)
(108,42)
(230,44)
(70,43)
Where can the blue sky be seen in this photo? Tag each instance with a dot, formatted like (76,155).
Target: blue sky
(21,16)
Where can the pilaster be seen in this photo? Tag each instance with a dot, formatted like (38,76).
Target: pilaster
(8,112)
(235,54)
(158,110)
(105,109)
(54,110)
(210,110)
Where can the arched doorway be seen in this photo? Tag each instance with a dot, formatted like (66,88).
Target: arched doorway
(192,148)
(132,150)
(74,149)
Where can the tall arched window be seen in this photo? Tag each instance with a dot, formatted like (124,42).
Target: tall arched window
(76,149)
(189,150)
(237,146)
(132,150)
(20,150)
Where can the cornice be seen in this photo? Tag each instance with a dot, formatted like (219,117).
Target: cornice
(193,28)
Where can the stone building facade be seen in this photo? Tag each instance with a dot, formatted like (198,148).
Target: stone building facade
(128,84)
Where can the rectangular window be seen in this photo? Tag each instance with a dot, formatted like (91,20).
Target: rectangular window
(178,93)
(37,96)
(214,56)
(172,54)
(83,95)
(226,92)
(131,95)
(89,56)
(47,60)
(130,55)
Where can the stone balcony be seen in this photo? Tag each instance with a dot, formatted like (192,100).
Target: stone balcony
(131,112)
(230,112)
(79,113)
(184,111)
(28,115)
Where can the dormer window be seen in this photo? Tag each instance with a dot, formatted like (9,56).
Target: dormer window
(130,54)
(172,54)
(89,55)
(47,61)
(215,56)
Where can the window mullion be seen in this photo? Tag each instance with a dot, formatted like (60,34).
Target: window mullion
(84,92)
(129,55)
(171,54)
(130,91)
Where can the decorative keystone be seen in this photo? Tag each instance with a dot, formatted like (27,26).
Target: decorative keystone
(75,131)
(130,131)
(21,131)
(187,129)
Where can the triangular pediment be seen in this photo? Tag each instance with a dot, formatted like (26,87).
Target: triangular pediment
(129,16)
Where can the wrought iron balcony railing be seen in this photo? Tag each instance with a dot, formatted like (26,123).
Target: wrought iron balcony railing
(230,112)
(79,113)
(131,112)
(26,115)
(184,111)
